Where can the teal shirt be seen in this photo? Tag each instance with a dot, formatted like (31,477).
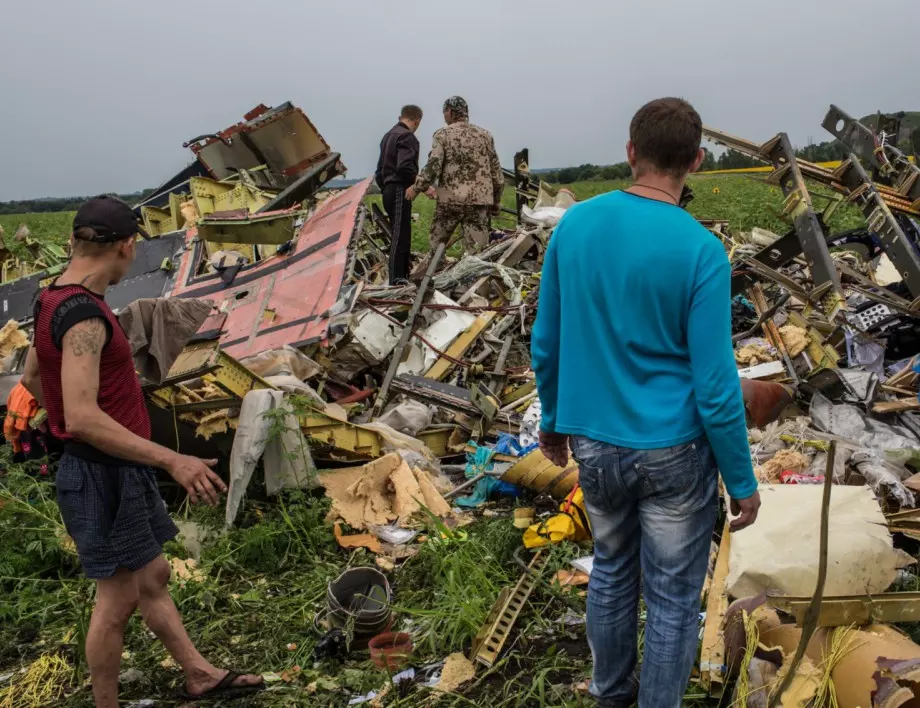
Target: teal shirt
(632,342)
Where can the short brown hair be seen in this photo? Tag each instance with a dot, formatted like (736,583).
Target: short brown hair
(666,134)
(411,112)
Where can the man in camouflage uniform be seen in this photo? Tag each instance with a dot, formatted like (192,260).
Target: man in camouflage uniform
(463,173)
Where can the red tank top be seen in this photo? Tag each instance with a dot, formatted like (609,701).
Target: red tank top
(60,307)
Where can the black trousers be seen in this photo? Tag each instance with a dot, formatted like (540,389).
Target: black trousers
(399,212)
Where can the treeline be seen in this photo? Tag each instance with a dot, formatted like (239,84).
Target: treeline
(49,204)
(728,160)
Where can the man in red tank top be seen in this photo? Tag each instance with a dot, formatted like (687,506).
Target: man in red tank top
(81,370)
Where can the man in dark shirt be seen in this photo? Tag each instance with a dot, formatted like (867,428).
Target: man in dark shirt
(80,369)
(397,169)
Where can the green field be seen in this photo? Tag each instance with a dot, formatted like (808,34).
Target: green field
(744,201)
(44,227)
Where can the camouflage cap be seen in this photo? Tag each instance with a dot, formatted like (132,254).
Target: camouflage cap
(457,104)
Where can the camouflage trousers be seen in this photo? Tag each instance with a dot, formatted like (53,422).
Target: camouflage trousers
(474,223)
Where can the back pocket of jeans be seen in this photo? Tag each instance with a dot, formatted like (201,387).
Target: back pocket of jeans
(672,478)
(591,481)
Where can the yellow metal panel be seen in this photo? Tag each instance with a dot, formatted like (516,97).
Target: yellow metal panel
(438,440)
(211,196)
(246,249)
(175,209)
(535,472)
(460,346)
(158,221)
(353,440)
(205,191)
(240,197)
(205,360)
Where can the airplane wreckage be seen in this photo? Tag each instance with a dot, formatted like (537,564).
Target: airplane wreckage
(291,284)
(289,266)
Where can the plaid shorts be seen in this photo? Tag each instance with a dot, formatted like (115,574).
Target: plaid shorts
(115,515)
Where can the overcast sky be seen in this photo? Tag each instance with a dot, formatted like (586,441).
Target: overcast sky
(98,95)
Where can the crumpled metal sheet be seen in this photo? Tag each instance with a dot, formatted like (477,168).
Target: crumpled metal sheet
(850,422)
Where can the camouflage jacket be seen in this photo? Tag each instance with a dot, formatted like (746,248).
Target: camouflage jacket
(463,166)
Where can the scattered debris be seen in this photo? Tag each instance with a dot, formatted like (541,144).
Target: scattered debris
(12,340)
(571,578)
(456,672)
(186,570)
(360,540)
(42,683)
(296,346)
(785,460)
(382,491)
(862,559)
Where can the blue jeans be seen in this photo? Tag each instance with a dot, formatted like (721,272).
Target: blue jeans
(652,510)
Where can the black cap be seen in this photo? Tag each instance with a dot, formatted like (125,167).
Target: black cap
(110,218)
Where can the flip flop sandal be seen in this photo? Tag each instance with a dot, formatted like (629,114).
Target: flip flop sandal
(224,689)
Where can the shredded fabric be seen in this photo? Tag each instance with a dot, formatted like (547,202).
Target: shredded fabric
(795,339)
(783,461)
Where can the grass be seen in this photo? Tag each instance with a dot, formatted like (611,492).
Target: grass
(424,208)
(261,584)
(254,604)
(744,201)
(44,227)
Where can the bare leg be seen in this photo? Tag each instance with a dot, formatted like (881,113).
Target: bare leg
(116,600)
(160,614)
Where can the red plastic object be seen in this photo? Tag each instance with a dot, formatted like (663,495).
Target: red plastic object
(391,650)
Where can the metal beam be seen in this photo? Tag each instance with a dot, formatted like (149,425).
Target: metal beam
(307,184)
(895,200)
(846,610)
(886,159)
(865,195)
(799,208)
(713,671)
(460,346)
(396,358)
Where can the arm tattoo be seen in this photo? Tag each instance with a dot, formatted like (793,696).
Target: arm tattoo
(87,337)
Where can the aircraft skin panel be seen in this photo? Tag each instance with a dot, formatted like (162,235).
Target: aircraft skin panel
(283,299)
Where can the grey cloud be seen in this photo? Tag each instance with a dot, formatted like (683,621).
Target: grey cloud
(99,95)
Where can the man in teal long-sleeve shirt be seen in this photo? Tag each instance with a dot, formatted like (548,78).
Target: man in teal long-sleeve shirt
(633,356)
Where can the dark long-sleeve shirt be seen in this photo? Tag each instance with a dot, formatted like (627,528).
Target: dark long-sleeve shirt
(398,162)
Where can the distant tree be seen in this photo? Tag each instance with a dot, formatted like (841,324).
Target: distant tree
(709,162)
(915,140)
(823,152)
(52,204)
(621,170)
(567,175)
(734,160)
